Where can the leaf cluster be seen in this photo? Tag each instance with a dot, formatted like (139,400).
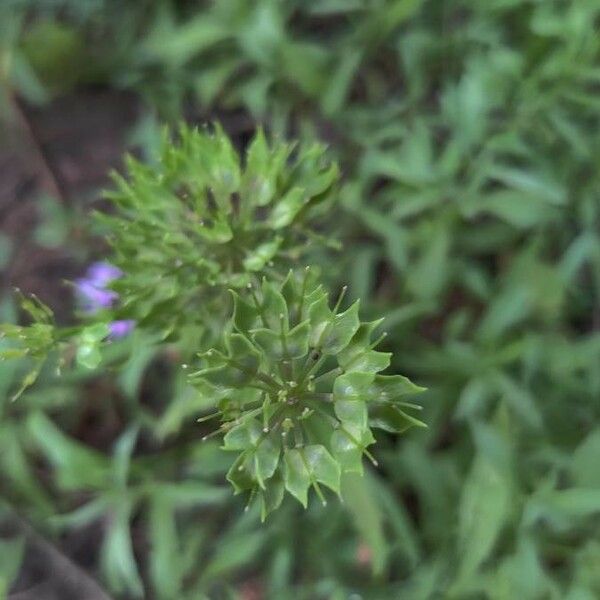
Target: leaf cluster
(198,221)
(298,389)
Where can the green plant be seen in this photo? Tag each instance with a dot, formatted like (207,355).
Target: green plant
(469,216)
(182,234)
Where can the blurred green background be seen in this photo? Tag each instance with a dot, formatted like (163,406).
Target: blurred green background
(468,136)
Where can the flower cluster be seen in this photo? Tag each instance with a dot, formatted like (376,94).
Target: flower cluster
(298,389)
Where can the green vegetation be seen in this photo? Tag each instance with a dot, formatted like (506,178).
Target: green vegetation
(469,213)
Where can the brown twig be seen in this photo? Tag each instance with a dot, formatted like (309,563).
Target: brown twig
(61,565)
(48,178)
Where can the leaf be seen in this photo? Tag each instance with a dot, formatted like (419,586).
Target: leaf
(342,329)
(308,466)
(358,354)
(320,317)
(233,553)
(362,503)
(259,458)
(584,463)
(243,352)
(27,381)
(388,388)
(291,345)
(483,512)
(165,563)
(88,348)
(77,467)
(123,451)
(348,444)
(286,210)
(244,314)
(88,356)
(274,308)
(261,255)
(116,555)
(258,187)
(392,419)
(272,497)
(350,395)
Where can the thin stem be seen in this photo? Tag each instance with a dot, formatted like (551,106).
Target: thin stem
(301,305)
(336,371)
(340,298)
(258,306)
(308,371)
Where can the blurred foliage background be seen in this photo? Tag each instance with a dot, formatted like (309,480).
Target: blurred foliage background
(467,133)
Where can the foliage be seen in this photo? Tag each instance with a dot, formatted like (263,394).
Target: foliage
(469,212)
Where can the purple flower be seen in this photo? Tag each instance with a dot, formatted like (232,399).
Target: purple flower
(121,328)
(92,288)
(101,274)
(94,295)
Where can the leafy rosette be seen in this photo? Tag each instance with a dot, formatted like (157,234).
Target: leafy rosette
(298,390)
(202,220)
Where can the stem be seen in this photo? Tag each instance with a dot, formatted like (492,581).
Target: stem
(337,371)
(257,305)
(340,298)
(308,371)
(301,305)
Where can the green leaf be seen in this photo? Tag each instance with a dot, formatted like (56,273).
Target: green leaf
(392,419)
(272,497)
(77,467)
(88,348)
(243,352)
(348,444)
(286,210)
(165,562)
(244,314)
(116,557)
(297,340)
(350,396)
(584,463)
(258,257)
(89,355)
(361,501)
(308,466)
(274,307)
(388,388)
(11,557)
(259,458)
(293,344)
(358,355)
(342,330)
(320,316)
(483,511)
(218,232)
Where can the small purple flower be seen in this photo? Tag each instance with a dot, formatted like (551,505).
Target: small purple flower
(92,288)
(94,295)
(101,274)
(121,328)
(93,299)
